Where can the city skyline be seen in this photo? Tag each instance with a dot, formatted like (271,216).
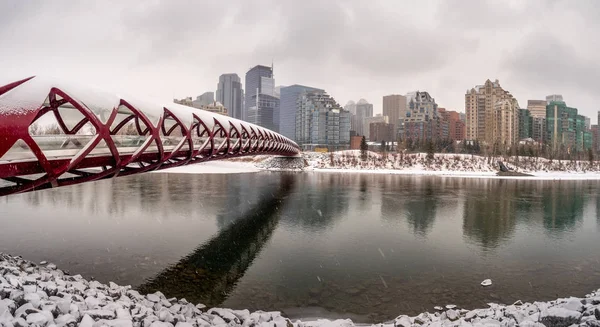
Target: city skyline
(456,51)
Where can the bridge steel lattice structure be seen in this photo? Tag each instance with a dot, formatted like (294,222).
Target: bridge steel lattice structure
(54,134)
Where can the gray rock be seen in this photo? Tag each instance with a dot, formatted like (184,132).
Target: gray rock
(153,298)
(92,302)
(8,306)
(597,313)
(33,298)
(100,314)
(66,320)
(18,297)
(165,315)
(228,316)
(452,315)
(573,304)
(30,280)
(86,321)
(119,323)
(63,307)
(123,314)
(25,309)
(20,322)
(184,324)
(39,319)
(403,321)
(79,286)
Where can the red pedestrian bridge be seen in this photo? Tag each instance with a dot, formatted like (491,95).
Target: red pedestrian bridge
(54,134)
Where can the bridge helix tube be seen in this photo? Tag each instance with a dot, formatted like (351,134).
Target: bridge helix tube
(54,133)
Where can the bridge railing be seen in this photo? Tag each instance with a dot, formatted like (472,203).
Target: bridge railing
(53,134)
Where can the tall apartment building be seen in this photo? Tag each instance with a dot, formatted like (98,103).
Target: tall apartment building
(422,120)
(456,127)
(505,122)
(525,123)
(367,121)
(420,106)
(382,131)
(554,98)
(321,122)
(588,123)
(566,128)
(538,129)
(595,137)
(394,107)
(486,111)
(261,106)
(537,108)
(214,106)
(429,130)
(363,109)
(205,99)
(230,94)
(287,108)
(351,107)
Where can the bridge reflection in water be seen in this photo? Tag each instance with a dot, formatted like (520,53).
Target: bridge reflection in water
(210,273)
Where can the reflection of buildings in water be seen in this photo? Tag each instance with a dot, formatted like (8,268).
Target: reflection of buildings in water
(420,215)
(489,215)
(242,195)
(321,199)
(598,209)
(562,204)
(211,272)
(415,199)
(155,195)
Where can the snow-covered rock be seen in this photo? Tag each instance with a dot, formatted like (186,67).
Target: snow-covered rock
(26,299)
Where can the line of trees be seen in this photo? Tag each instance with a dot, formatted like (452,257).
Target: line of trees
(497,149)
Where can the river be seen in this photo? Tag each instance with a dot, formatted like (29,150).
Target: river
(368,247)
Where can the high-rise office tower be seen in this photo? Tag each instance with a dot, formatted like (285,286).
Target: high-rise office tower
(364,109)
(287,108)
(230,94)
(394,106)
(261,106)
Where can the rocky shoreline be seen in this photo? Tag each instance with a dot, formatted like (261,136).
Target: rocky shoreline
(42,295)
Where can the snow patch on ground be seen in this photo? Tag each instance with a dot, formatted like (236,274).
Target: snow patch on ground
(446,165)
(215,167)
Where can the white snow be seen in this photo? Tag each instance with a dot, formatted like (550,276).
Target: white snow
(121,306)
(214,167)
(486,282)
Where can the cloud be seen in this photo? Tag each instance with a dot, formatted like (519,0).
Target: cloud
(352,48)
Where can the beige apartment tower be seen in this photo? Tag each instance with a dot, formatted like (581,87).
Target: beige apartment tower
(484,123)
(537,108)
(394,106)
(506,122)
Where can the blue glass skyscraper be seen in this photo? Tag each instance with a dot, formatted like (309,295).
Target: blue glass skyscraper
(261,106)
(287,108)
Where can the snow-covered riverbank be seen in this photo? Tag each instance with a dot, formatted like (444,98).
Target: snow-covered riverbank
(447,165)
(42,295)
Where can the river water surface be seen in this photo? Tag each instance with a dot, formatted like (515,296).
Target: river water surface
(369,247)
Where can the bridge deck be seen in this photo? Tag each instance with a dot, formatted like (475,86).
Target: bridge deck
(52,133)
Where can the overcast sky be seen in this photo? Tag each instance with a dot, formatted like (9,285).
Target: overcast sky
(353,49)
